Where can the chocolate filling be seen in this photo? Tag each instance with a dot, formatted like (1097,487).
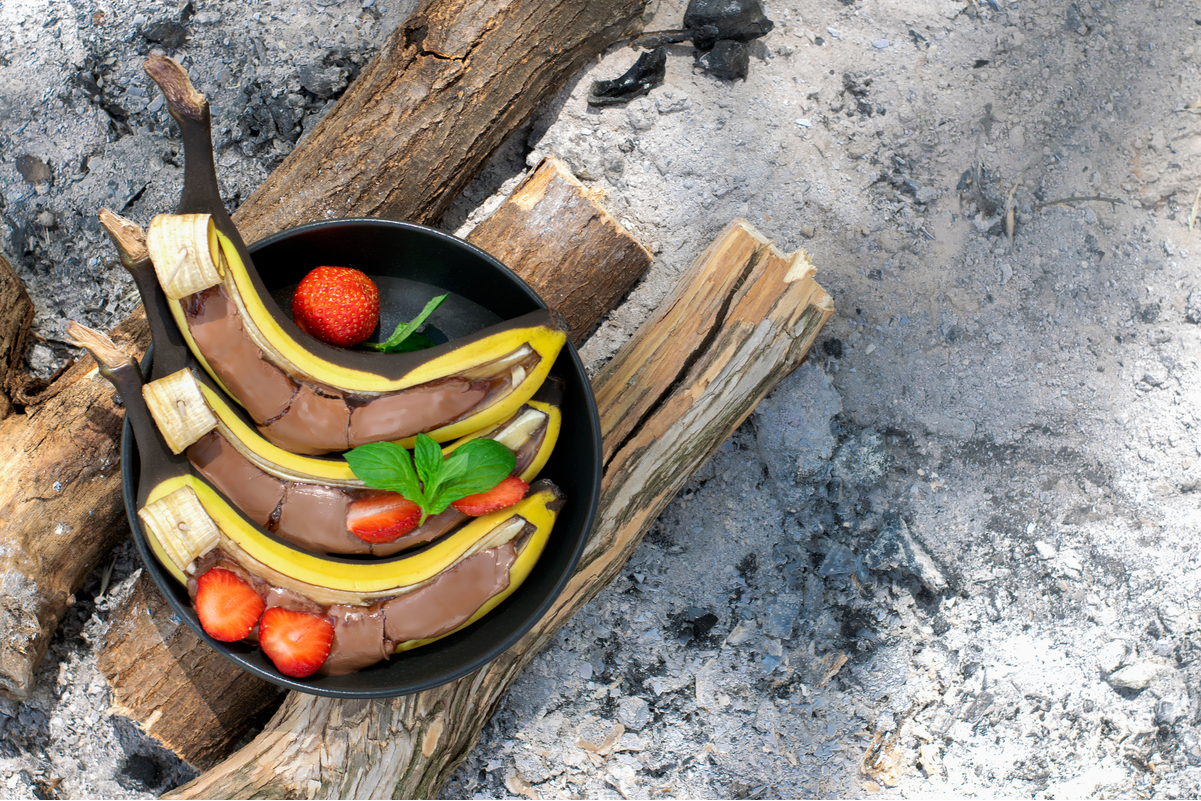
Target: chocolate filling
(314,424)
(216,327)
(421,408)
(361,638)
(312,419)
(254,492)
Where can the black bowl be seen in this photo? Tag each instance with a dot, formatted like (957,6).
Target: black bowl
(411,264)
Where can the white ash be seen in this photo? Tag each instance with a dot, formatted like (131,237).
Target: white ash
(1023,406)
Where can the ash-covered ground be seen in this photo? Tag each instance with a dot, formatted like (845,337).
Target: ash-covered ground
(954,554)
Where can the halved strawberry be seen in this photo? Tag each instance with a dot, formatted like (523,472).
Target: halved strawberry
(297,642)
(228,607)
(382,518)
(506,493)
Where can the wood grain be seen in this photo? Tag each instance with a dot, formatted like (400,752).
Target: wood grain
(60,506)
(446,90)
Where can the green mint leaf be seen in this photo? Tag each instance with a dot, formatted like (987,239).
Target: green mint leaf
(386,466)
(404,339)
(476,466)
(427,478)
(428,458)
(413,342)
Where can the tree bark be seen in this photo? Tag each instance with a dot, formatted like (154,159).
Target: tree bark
(60,505)
(449,86)
(163,677)
(16,316)
(754,313)
(204,702)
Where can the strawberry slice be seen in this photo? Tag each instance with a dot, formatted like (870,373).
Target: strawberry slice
(227,605)
(297,642)
(382,518)
(506,493)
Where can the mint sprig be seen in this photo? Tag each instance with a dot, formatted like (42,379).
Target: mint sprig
(428,479)
(405,338)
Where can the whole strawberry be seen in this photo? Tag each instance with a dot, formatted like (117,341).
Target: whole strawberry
(337,305)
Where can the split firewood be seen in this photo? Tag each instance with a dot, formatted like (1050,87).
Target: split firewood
(16,316)
(410,132)
(550,225)
(163,677)
(754,314)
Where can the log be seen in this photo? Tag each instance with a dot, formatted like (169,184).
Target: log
(157,661)
(164,679)
(387,149)
(60,504)
(550,225)
(16,317)
(769,311)
(446,90)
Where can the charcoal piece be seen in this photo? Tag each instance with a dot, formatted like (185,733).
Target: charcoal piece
(728,59)
(647,73)
(168,34)
(714,20)
(34,170)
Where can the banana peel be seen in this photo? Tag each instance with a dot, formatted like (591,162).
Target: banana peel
(295,387)
(304,500)
(178,506)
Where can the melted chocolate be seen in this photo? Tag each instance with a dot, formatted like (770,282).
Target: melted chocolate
(262,388)
(314,517)
(450,599)
(254,492)
(364,636)
(421,408)
(314,424)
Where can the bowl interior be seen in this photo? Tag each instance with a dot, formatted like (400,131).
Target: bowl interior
(411,264)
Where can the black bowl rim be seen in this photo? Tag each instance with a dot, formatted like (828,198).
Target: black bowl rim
(168,586)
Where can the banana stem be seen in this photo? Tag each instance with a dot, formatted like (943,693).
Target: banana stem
(158,463)
(170,349)
(201,192)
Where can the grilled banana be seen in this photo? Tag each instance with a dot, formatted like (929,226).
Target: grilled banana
(191,528)
(308,501)
(306,396)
